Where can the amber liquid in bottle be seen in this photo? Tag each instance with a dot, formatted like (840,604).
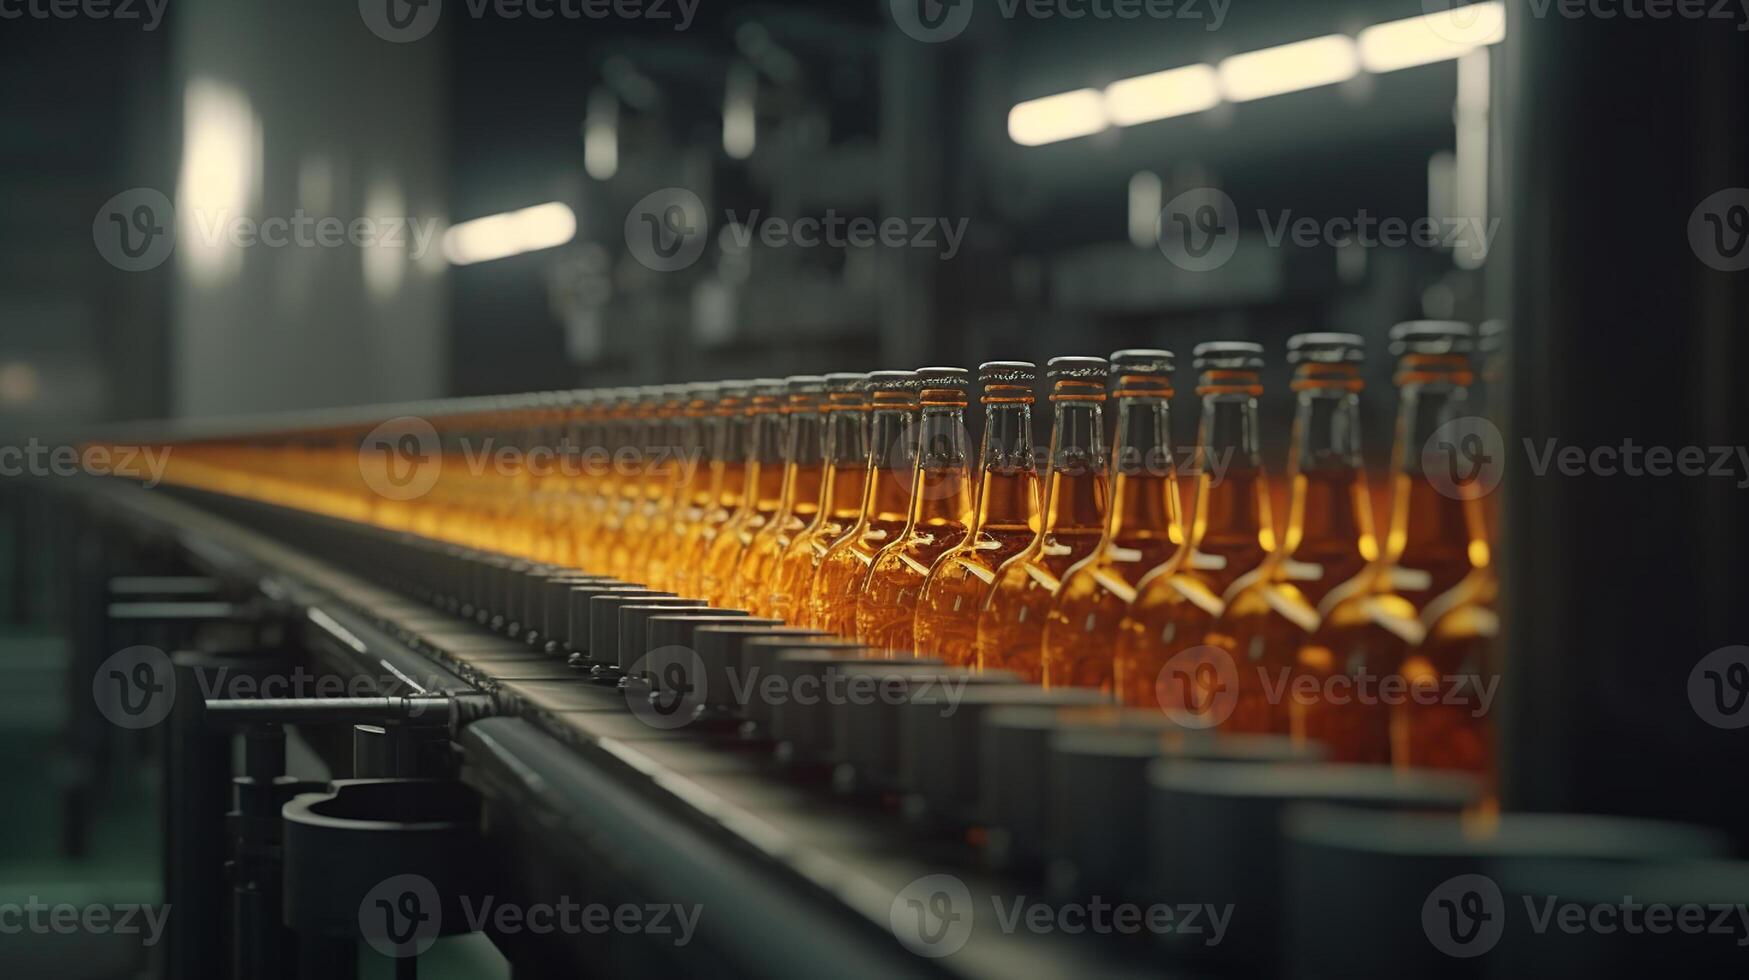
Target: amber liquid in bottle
(845,415)
(646,431)
(1142,529)
(728,485)
(681,450)
(1369,624)
(718,579)
(1328,540)
(798,499)
(1230,535)
(588,429)
(702,437)
(1454,669)
(1005,521)
(1011,622)
(940,515)
(886,503)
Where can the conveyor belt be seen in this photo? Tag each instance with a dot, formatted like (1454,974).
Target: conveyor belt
(801,882)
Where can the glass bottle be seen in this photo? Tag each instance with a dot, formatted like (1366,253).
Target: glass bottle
(1453,674)
(845,416)
(718,582)
(1328,539)
(1230,534)
(798,498)
(940,514)
(1004,522)
(886,502)
(1142,528)
(588,493)
(615,492)
(689,492)
(728,482)
(1011,621)
(1368,624)
(639,480)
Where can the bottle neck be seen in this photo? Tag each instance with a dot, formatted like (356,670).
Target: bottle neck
(1429,526)
(1008,487)
(806,456)
(891,460)
(765,463)
(941,483)
(847,453)
(1232,495)
(1330,511)
(1144,501)
(1076,494)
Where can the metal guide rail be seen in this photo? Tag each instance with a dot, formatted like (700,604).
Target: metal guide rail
(790,877)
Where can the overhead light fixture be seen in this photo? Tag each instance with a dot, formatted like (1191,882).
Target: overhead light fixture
(1162,95)
(1319,61)
(1442,36)
(1288,68)
(1057,117)
(499,236)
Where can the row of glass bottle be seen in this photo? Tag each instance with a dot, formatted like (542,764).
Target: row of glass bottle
(855,503)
